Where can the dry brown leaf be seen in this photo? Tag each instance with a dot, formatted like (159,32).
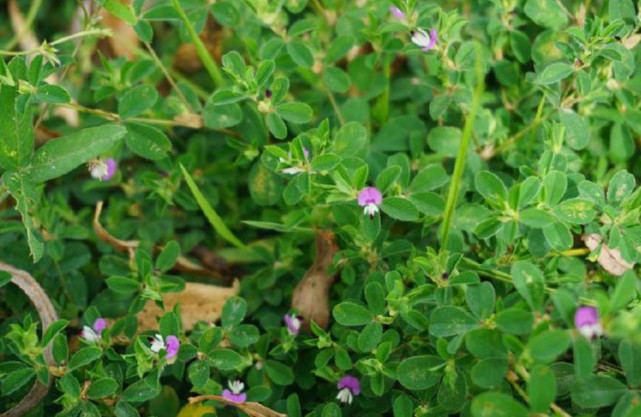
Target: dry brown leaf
(182,264)
(198,302)
(311,295)
(124,40)
(250,408)
(610,259)
(186,59)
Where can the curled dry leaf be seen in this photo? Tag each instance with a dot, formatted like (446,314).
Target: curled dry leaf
(311,295)
(610,259)
(48,315)
(198,302)
(182,264)
(250,408)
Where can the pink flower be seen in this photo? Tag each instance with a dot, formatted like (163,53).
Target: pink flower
(349,386)
(94,333)
(587,320)
(370,198)
(234,393)
(423,40)
(293,324)
(396,12)
(103,170)
(170,345)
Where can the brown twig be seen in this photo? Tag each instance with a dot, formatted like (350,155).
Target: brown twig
(311,295)
(182,264)
(250,408)
(48,315)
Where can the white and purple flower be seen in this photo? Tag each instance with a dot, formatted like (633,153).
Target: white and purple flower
(235,392)
(170,345)
(587,320)
(423,40)
(293,170)
(370,198)
(349,386)
(103,170)
(94,333)
(293,323)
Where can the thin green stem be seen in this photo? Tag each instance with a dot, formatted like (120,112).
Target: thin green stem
(210,65)
(332,100)
(90,32)
(31,16)
(171,81)
(459,165)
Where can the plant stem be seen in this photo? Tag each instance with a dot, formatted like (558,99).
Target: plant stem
(90,32)
(210,65)
(459,165)
(171,81)
(332,100)
(31,16)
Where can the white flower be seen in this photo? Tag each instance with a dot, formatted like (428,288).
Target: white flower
(98,169)
(292,170)
(371,209)
(345,396)
(591,331)
(157,344)
(90,334)
(236,387)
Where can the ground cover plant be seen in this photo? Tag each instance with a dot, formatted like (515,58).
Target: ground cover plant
(320,208)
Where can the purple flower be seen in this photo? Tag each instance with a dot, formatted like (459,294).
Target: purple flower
(293,324)
(234,393)
(396,12)
(170,345)
(94,333)
(370,198)
(348,386)
(423,40)
(587,320)
(306,152)
(103,170)
(173,344)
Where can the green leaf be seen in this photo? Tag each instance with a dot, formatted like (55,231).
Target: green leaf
(529,282)
(576,128)
(325,162)
(620,187)
(597,391)
(84,357)
(428,179)
(5,278)
(490,187)
(387,177)
(295,112)
(55,328)
(419,372)
(265,187)
(541,389)
(123,285)
(140,391)
(336,79)
(136,100)
(120,10)
(430,204)
(225,359)
(621,9)
(351,314)
(370,337)
(625,291)
(536,218)
(17,138)
(59,156)
(480,299)
(350,140)
(26,196)
(147,141)
(234,311)
(558,236)
(198,373)
(168,256)
(447,321)
(555,72)
(300,54)
(555,183)
(545,13)
(496,404)
(16,380)
(584,357)
(521,46)
(221,117)
(49,93)
(546,346)
(630,359)
(102,388)
(515,321)
(445,140)
(489,372)
(210,213)
(400,208)
(279,373)
(575,211)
